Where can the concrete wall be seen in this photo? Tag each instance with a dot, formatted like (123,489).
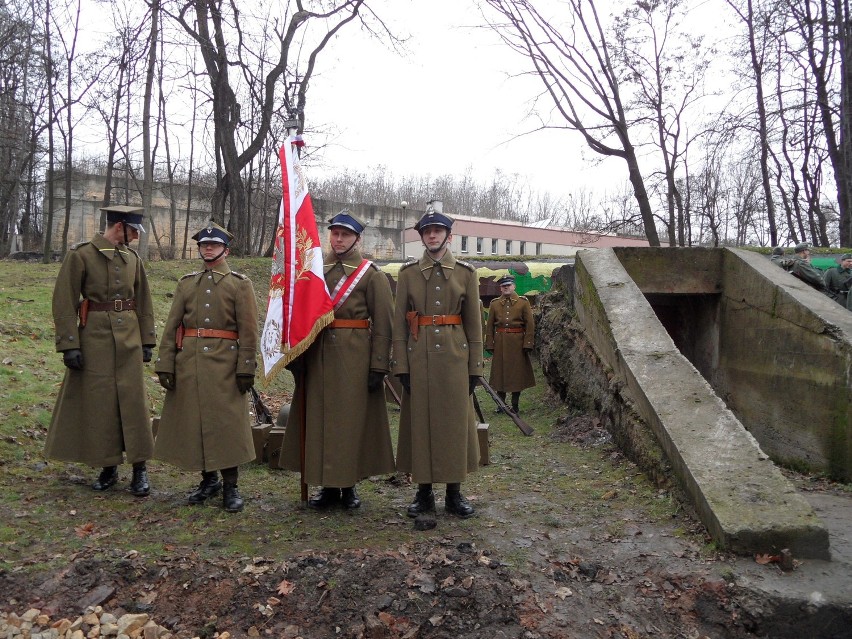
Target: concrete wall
(775,349)
(739,494)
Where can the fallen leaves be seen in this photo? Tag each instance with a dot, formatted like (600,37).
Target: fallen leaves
(285,588)
(85,530)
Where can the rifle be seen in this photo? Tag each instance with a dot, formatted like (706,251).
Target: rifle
(262,415)
(525,428)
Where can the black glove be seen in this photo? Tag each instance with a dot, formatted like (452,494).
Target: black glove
(405,380)
(73,359)
(244,382)
(374,380)
(167,380)
(147,353)
(296,366)
(472,381)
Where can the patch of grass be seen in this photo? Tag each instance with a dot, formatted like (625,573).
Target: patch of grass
(532,483)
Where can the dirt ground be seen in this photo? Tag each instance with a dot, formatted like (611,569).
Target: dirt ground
(635,579)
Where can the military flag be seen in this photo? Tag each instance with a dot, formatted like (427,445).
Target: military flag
(299,304)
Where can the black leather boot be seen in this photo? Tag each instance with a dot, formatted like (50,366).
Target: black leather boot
(209,486)
(516,399)
(107,479)
(231,499)
(455,504)
(350,498)
(139,486)
(325,497)
(424,501)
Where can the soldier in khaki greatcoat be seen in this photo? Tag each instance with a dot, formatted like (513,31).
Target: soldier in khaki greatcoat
(510,334)
(104,322)
(347,437)
(437,350)
(207,363)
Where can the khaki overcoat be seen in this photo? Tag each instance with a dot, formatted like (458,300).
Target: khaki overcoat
(205,423)
(511,369)
(437,431)
(103,410)
(347,437)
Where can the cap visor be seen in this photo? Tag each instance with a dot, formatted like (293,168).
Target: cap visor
(138,227)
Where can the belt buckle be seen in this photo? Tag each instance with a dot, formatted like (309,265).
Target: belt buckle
(435,319)
(118,305)
(199,333)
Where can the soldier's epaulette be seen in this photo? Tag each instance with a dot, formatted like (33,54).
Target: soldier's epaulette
(191,275)
(467,265)
(131,250)
(77,245)
(375,266)
(239,275)
(407,264)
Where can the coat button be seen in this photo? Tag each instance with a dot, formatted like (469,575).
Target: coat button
(208,291)
(437,346)
(438,303)
(206,320)
(206,348)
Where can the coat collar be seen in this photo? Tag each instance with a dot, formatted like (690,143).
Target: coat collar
(218,273)
(350,263)
(514,297)
(448,262)
(108,250)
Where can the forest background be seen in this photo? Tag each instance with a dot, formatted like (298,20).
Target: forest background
(715,122)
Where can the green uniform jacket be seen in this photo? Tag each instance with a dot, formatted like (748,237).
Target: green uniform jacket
(511,369)
(437,430)
(205,423)
(347,437)
(835,278)
(808,273)
(102,411)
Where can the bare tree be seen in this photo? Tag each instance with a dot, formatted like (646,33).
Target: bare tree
(575,65)
(220,31)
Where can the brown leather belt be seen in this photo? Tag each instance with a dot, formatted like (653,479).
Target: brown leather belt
(510,330)
(350,323)
(210,332)
(115,305)
(438,320)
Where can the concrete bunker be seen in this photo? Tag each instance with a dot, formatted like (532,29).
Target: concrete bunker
(653,339)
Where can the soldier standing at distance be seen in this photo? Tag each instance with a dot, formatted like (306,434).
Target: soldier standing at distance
(104,322)
(802,268)
(347,436)
(838,280)
(437,348)
(510,334)
(207,363)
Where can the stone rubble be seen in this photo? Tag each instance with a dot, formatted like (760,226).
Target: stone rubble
(94,623)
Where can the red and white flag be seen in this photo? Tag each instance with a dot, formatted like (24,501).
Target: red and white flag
(299,303)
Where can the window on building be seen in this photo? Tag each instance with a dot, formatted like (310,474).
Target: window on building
(464,243)
(508,247)
(479,245)
(523,248)
(538,248)
(494,247)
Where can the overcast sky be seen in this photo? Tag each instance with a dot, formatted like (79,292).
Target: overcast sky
(447,103)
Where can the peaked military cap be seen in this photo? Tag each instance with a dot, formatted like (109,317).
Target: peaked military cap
(778,250)
(346,220)
(130,215)
(213,233)
(434,216)
(846,256)
(802,246)
(506,279)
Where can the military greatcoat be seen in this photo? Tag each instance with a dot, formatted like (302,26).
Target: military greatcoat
(347,436)
(102,411)
(835,278)
(437,431)
(205,423)
(511,369)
